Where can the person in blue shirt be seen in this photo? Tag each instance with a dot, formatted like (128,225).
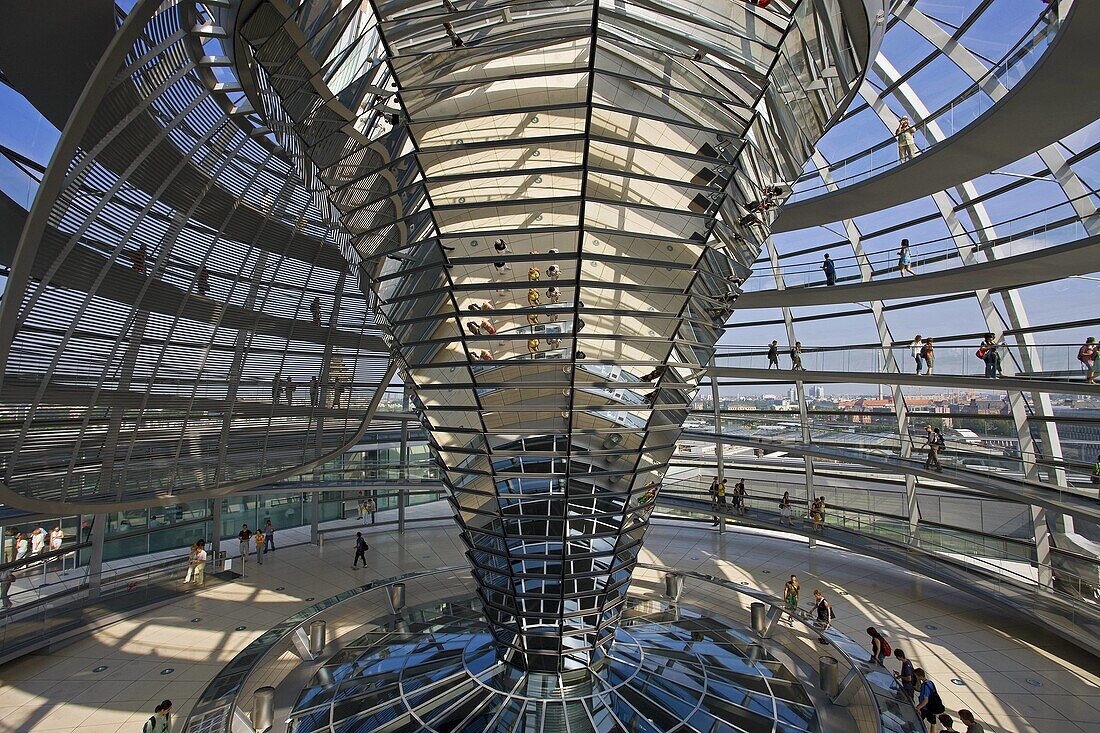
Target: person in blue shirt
(929,704)
(830,271)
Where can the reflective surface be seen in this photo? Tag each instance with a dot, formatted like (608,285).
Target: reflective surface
(436,669)
(562,200)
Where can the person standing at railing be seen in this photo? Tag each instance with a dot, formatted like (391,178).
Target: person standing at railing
(22,546)
(829,268)
(773,355)
(904,259)
(785,509)
(269,536)
(988,353)
(928,353)
(1087,356)
(722,496)
(907,146)
(739,497)
(917,349)
(817,514)
(796,357)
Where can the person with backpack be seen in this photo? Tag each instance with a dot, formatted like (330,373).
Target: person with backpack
(773,355)
(161,720)
(929,704)
(905,678)
(928,353)
(361,548)
(880,648)
(824,612)
(829,268)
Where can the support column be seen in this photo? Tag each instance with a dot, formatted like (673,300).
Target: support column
(719,452)
(403,461)
(95,557)
(215,526)
(315,517)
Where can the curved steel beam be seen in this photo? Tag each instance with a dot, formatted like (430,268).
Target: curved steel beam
(1020,123)
(1052,263)
(1059,499)
(1016,383)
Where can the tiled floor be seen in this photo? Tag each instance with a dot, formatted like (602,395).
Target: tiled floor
(950,634)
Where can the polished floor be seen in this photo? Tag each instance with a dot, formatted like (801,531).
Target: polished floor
(1017,679)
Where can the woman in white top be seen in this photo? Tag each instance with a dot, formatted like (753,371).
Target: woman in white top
(907,147)
(38,541)
(56,538)
(200,562)
(21,546)
(915,349)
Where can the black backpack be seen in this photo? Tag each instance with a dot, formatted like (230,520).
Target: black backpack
(935,704)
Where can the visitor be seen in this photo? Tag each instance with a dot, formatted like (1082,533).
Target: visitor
(823,610)
(1095,478)
(740,495)
(533,274)
(22,546)
(289,391)
(199,576)
(532,297)
(907,147)
(929,704)
(905,678)
(947,722)
(314,391)
(488,329)
(370,506)
(57,538)
(533,346)
(790,596)
(7,577)
(269,536)
(260,538)
(315,310)
(916,349)
(880,648)
(202,282)
(972,726)
(988,353)
(817,514)
(38,541)
(1087,356)
(714,498)
(773,355)
(785,509)
(277,388)
(161,720)
(360,550)
(553,271)
(9,545)
(796,357)
(829,267)
(553,293)
(244,537)
(137,260)
(904,261)
(722,496)
(928,353)
(931,445)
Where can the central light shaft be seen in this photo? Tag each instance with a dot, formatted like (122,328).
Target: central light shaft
(562,200)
